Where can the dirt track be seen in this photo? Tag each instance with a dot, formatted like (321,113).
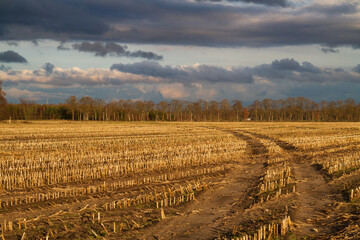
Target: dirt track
(227,204)
(211,213)
(313,195)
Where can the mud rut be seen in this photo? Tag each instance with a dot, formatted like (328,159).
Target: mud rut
(228,203)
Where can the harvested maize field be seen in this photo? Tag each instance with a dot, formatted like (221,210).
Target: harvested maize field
(110,180)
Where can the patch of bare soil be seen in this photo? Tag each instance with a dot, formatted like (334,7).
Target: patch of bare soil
(313,199)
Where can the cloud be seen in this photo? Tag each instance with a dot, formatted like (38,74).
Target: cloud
(329,50)
(286,64)
(183,22)
(292,65)
(113,49)
(12,43)
(11,56)
(24,94)
(310,68)
(4,68)
(173,91)
(339,70)
(219,74)
(35,42)
(62,46)
(34,96)
(47,18)
(100,49)
(280,78)
(148,68)
(284,71)
(186,74)
(75,77)
(247,93)
(288,70)
(49,68)
(188,92)
(146,55)
(332,9)
(292,71)
(357,69)
(282,3)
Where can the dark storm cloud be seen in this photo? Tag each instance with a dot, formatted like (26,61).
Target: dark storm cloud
(187,74)
(339,9)
(49,68)
(292,65)
(286,64)
(143,54)
(11,56)
(288,70)
(282,3)
(113,49)
(50,16)
(291,70)
(309,68)
(181,22)
(218,74)
(100,49)
(148,68)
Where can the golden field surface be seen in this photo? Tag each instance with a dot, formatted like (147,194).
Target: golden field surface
(112,180)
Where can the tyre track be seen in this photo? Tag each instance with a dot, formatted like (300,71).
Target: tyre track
(228,203)
(215,209)
(314,199)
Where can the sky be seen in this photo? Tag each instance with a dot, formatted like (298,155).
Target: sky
(180,49)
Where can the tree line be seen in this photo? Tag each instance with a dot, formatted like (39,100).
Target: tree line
(89,109)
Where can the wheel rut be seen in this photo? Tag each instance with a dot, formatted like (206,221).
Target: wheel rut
(227,203)
(314,198)
(212,212)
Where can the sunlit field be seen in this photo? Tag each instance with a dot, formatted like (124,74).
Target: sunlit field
(110,180)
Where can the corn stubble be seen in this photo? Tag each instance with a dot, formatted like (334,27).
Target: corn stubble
(104,178)
(92,180)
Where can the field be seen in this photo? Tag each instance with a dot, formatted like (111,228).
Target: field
(101,180)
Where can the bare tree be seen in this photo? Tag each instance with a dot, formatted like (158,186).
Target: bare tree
(215,111)
(3,104)
(28,109)
(71,103)
(161,108)
(237,108)
(225,109)
(86,105)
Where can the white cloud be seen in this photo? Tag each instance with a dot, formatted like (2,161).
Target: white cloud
(173,91)
(262,81)
(205,93)
(141,88)
(15,94)
(76,76)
